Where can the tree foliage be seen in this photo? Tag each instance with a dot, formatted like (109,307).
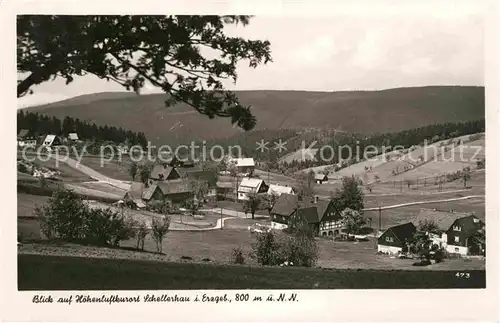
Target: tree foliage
(68,218)
(43,124)
(350,195)
(173,53)
(305,186)
(159,229)
(252,204)
(132,170)
(352,220)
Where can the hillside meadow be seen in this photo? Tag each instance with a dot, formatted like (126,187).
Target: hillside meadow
(363,112)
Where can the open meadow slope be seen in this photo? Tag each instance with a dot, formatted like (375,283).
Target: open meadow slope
(352,111)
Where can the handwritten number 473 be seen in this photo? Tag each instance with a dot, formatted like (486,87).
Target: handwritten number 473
(462,275)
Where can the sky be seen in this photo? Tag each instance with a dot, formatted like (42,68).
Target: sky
(369,50)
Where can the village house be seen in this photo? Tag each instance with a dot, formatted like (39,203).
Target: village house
(133,197)
(51,141)
(395,239)
(251,185)
(26,139)
(464,236)
(244,166)
(441,219)
(72,138)
(323,218)
(320,178)
(283,208)
(277,190)
(173,191)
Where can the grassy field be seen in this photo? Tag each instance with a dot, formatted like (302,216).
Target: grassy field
(382,111)
(36,272)
(396,216)
(112,168)
(67,173)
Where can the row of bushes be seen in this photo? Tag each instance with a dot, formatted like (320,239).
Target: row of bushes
(66,217)
(278,249)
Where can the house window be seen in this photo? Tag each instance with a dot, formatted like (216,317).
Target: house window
(389,239)
(457,228)
(457,239)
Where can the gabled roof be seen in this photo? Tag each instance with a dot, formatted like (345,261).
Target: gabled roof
(49,140)
(403,231)
(249,184)
(23,133)
(470,224)
(244,162)
(443,220)
(285,204)
(73,136)
(310,214)
(321,207)
(175,186)
(148,193)
(225,184)
(320,177)
(278,189)
(162,170)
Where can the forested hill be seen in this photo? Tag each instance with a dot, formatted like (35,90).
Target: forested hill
(364,112)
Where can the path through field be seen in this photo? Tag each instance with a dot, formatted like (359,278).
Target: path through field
(93,173)
(394,206)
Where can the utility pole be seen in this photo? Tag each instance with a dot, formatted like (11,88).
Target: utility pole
(379,218)
(221,222)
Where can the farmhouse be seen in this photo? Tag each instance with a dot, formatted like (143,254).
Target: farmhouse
(73,137)
(51,141)
(466,236)
(395,239)
(134,196)
(275,189)
(173,191)
(441,219)
(163,173)
(251,185)
(322,216)
(320,178)
(283,208)
(26,139)
(244,166)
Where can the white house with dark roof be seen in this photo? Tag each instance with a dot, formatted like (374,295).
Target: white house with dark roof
(73,136)
(250,185)
(320,178)
(26,139)
(51,141)
(442,220)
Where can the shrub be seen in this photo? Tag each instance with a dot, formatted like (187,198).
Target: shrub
(66,217)
(22,168)
(273,250)
(237,256)
(159,229)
